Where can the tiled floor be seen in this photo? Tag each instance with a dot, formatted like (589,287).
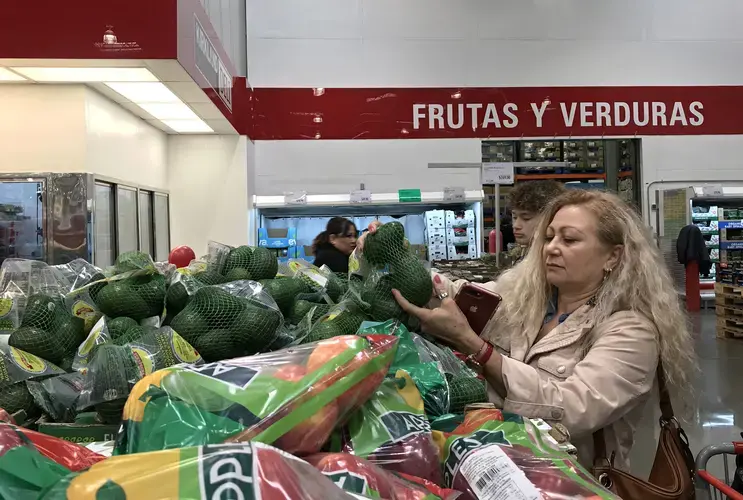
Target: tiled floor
(718,416)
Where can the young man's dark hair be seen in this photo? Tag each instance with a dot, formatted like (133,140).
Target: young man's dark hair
(527,200)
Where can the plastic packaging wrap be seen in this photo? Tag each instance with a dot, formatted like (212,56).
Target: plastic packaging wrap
(110,375)
(135,288)
(230,320)
(361,477)
(292,399)
(391,431)
(250,471)
(492,454)
(75,275)
(70,455)
(20,279)
(413,356)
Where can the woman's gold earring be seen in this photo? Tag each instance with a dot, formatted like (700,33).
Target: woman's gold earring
(607,272)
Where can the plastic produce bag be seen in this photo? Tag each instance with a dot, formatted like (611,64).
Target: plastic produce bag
(292,399)
(391,430)
(361,477)
(135,289)
(71,456)
(16,367)
(494,455)
(110,375)
(250,471)
(75,275)
(228,321)
(414,357)
(119,331)
(20,279)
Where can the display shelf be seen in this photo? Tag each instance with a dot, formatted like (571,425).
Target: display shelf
(625,174)
(527,177)
(702,217)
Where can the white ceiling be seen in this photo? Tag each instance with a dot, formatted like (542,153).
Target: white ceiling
(168,71)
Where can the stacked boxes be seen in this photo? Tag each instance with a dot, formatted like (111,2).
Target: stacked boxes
(460,235)
(436,234)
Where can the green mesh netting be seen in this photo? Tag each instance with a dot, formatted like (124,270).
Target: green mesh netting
(225,325)
(238,258)
(386,245)
(133,261)
(112,373)
(342,319)
(132,334)
(465,390)
(285,291)
(210,278)
(264,264)
(48,329)
(16,397)
(302,308)
(117,327)
(137,297)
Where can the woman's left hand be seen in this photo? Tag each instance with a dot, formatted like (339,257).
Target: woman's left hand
(447,322)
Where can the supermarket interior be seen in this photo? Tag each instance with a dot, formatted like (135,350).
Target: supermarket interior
(241,128)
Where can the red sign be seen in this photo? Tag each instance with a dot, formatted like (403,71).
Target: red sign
(88,29)
(424,113)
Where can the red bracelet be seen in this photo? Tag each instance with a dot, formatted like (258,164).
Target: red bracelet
(482,356)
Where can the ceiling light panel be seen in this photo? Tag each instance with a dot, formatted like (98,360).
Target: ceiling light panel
(189,126)
(144,92)
(8,76)
(86,75)
(169,111)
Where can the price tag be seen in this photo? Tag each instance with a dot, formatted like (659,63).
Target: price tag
(295,198)
(361,196)
(497,173)
(712,190)
(454,194)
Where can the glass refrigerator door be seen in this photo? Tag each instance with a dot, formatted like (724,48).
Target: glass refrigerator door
(105,242)
(126,219)
(22,220)
(162,227)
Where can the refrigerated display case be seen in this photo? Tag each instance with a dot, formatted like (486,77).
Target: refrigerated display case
(275,215)
(57,218)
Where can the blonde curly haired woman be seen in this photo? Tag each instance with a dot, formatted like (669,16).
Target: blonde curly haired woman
(585,318)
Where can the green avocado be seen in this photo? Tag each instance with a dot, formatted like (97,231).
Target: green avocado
(263,264)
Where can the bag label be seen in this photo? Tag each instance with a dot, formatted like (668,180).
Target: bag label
(492,475)
(462,446)
(226,471)
(348,481)
(401,425)
(236,376)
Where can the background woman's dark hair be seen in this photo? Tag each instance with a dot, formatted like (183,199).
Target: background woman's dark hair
(336,226)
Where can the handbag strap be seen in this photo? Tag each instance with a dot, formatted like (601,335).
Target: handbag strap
(666,412)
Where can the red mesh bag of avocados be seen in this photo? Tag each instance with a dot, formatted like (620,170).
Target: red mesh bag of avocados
(391,431)
(361,477)
(292,398)
(500,455)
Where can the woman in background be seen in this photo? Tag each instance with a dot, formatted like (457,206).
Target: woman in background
(333,246)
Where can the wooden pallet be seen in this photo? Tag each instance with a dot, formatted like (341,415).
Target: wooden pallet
(728,295)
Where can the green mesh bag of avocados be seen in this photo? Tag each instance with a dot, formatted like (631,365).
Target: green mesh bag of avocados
(19,280)
(230,320)
(344,318)
(136,288)
(18,367)
(79,297)
(118,331)
(105,382)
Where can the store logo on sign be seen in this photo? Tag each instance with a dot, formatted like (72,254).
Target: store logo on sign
(211,67)
(110,43)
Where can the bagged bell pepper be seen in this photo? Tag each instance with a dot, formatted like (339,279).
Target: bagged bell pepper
(493,455)
(246,470)
(292,398)
(391,431)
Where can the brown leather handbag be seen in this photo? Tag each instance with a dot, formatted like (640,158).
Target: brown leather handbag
(672,475)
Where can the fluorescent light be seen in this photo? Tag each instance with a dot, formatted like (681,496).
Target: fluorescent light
(188,126)
(86,75)
(169,111)
(144,92)
(8,76)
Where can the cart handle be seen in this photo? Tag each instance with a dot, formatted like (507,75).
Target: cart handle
(734,448)
(719,485)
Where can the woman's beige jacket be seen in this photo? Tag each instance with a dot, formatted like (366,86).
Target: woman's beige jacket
(558,380)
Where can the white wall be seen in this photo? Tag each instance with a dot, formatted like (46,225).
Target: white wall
(337,167)
(42,128)
(488,43)
(250,157)
(121,145)
(208,190)
(228,18)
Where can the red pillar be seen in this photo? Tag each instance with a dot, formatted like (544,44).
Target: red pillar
(693,299)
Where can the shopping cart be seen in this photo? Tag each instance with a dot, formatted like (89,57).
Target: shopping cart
(716,487)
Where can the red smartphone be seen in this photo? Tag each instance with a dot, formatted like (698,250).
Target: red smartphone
(478,305)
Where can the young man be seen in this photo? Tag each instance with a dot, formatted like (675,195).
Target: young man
(527,200)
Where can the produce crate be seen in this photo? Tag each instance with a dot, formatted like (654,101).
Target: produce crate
(729,310)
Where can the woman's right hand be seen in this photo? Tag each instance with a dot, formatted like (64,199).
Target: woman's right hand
(372,228)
